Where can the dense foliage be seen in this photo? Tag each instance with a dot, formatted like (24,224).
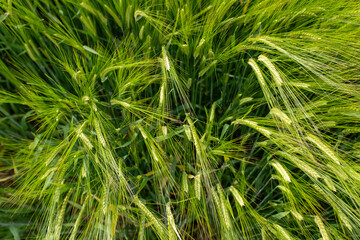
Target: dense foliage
(164,119)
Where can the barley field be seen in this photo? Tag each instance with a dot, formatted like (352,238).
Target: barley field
(187,119)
